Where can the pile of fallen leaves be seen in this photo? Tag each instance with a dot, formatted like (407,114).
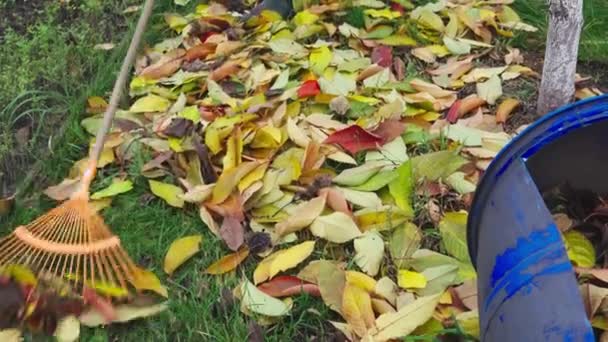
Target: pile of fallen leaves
(582,217)
(338,148)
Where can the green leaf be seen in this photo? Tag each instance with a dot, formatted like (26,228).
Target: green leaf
(401,187)
(113,189)
(398,40)
(380,31)
(453,229)
(403,243)
(341,84)
(377,80)
(490,90)
(428,18)
(579,248)
(456,47)
(460,184)
(191,113)
(150,103)
(437,165)
(438,279)
(282,80)
(358,175)
(378,181)
(172,194)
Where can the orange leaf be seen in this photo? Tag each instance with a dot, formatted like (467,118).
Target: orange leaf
(227,69)
(199,51)
(357,309)
(336,200)
(228,262)
(154,72)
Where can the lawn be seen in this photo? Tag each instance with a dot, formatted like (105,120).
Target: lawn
(49,70)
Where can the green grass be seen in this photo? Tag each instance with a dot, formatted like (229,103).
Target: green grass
(49,71)
(593,45)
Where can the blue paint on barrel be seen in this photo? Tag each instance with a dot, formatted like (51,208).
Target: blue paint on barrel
(515,268)
(526,285)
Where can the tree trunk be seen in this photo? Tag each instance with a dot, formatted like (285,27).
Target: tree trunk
(559,69)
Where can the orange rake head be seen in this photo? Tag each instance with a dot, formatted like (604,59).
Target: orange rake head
(71,242)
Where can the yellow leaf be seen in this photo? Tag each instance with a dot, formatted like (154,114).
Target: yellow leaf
(411,280)
(381,219)
(234,151)
(191,113)
(429,19)
(180,251)
(336,227)
(370,252)
(398,40)
(169,192)
(108,289)
(267,137)
(252,177)
(453,229)
(361,280)
(117,187)
(306,213)
(229,179)
(21,274)
(305,18)
(579,248)
(403,322)
(319,59)
(228,263)
(383,13)
(175,144)
(106,157)
(146,280)
(357,309)
(199,193)
(282,260)
(150,103)
(446,298)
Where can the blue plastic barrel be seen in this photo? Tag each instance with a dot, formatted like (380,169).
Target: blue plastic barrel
(527,290)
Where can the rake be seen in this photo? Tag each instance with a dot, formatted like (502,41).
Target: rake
(72,241)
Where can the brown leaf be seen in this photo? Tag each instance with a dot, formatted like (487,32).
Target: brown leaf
(209,174)
(467,293)
(336,200)
(227,69)
(331,281)
(178,128)
(199,51)
(399,68)
(63,190)
(164,69)
(369,71)
(389,130)
(157,162)
(232,232)
(231,207)
(599,273)
(285,286)
(255,332)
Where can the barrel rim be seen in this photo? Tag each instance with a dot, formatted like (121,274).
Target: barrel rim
(561,120)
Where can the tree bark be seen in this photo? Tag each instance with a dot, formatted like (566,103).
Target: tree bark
(559,69)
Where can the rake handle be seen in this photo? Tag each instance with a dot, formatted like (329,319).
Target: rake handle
(119,85)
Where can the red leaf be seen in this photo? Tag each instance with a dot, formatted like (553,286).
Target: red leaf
(454,112)
(397,7)
(388,130)
(283,286)
(203,37)
(382,55)
(355,139)
(309,88)
(232,232)
(105,307)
